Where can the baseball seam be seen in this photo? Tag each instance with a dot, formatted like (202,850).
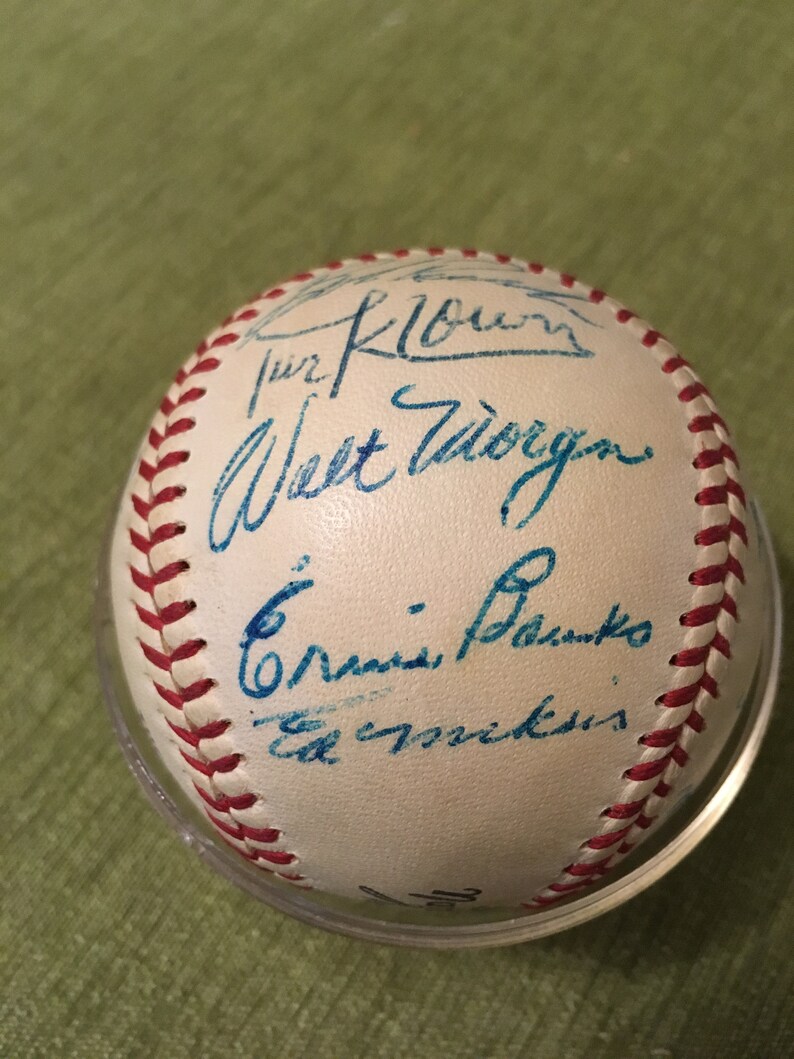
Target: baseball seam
(195,720)
(651,779)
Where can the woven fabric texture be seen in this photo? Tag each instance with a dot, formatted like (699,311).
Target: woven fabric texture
(159,163)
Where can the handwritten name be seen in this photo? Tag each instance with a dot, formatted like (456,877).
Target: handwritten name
(262,671)
(304,736)
(437,898)
(260,677)
(514,585)
(420,334)
(269,466)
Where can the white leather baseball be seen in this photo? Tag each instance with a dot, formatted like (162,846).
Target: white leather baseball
(427,576)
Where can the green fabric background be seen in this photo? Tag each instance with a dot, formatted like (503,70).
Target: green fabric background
(161,161)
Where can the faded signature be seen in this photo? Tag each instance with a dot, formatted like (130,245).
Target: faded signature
(437,898)
(306,736)
(372,329)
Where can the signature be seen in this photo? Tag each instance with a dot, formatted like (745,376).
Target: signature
(305,736)
(514,586)
(260,677)
(420,336)
(262,671)
(447,899)
(269,466)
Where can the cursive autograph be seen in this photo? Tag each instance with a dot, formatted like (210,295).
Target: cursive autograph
(514,585)
(437,898)
(271,466)
(259,677)
(374,329)
(262,670)
(305,736)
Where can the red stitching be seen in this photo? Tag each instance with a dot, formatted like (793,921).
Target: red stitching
(177,699)
(167,406)
(273,856)
(711,457)
(686,658)
(207,363)
(580,873)
(568,887)
(179,426)
(167,616)
(193,736)
(662,737)
(224,764)
(738,529)
(713,535)
(164,661)
(706,422)
(609,838)
(162,533)
(242,832)
(647,770)
(689,393)
(222,340)
(720,643)
(158,618)
(691,656)
(589,868)
(621,811)
(671,700)
(149,582)
(171,459)
(224,803)
(695,721)
(709,575)
(143,508)
(673,364)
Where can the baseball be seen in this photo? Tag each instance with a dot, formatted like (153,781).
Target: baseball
(433,581)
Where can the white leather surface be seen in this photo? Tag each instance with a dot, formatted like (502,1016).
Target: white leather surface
(504,818)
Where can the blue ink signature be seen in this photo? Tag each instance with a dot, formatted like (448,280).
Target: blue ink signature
(429,324)
(466,443)
(284,368)
(305,736)
(514,585)
(260,679)
(261,672)
(264,468)
(250,460)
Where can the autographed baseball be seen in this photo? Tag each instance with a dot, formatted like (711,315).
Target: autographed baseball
(434,582)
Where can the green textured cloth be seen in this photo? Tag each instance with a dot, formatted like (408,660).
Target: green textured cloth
(158,163)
